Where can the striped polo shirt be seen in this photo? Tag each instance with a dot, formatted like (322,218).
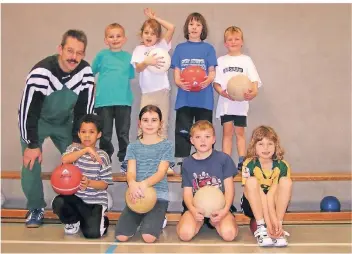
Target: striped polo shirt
(93,171)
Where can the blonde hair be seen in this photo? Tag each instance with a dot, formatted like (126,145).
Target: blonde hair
(154,25)
(265,132)
(202,125)
(231,30)
(114,26)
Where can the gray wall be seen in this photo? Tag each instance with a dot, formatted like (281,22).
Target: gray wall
(302,53)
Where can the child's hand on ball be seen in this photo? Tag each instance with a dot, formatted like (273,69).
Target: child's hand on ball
(84,183)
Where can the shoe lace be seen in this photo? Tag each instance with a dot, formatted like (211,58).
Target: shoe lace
(69,226)
(38,214)
(261,232)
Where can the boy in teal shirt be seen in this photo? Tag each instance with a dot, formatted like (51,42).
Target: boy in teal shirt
(113,98)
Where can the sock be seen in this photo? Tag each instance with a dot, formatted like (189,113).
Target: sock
(260,223)
(240,159)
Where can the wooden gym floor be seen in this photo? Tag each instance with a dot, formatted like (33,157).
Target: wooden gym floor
(50,238)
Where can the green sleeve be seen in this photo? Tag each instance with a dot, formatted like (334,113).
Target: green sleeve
(96,63)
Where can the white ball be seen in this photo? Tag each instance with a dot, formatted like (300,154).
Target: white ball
(238,86)
(166,59)
(210,199)
(110,201)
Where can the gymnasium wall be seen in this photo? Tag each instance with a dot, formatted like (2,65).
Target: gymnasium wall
(302,53)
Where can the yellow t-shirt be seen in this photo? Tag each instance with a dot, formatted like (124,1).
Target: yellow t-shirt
(266,177)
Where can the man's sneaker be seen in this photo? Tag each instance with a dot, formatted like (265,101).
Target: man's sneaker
(263,238)
(165,222)
(281,241)
(124,167)
(34,218)
(71,229)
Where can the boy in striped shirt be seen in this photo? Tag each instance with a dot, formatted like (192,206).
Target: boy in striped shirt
(86,209)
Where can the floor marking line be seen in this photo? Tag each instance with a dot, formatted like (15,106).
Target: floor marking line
(164,244)
(111,248)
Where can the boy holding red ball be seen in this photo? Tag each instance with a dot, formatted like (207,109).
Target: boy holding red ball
(86,209)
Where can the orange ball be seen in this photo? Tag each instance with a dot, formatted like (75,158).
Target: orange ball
(253,225)
(66,179)
(194,74)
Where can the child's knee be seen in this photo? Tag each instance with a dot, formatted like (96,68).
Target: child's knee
(148,238)
(239,132)
(228,131)
(91,233)
(122,238)
(186,233)
(57,203)
(229,234)
(285,182)
(251,183)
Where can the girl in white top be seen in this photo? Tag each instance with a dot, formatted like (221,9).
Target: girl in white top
(155,87)
(233,114)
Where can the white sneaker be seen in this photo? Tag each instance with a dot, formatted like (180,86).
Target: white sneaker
(71,229)
(165,222)
(281,241)
(262,237)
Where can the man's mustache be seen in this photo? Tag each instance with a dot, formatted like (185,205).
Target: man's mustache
(72,61)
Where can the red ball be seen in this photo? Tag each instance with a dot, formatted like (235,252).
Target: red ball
(253,225)
(194,74)
(66,179)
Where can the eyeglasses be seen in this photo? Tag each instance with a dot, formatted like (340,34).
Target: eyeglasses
(71,52)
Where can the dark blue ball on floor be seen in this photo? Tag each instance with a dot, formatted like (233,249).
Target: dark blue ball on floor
(330,204)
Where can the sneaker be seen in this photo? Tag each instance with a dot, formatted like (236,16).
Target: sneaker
(124,167)
(263,238)
(71,229)
(172,165)
(239,166)
(165,222)
(170,170)
(34,218)
(281,241)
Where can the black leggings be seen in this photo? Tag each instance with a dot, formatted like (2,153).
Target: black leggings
(184,122)
(122,116)
(72,209)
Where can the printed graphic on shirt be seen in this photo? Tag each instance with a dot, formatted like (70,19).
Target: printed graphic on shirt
(187,62)
(204,179)
(232,69)
(245,172)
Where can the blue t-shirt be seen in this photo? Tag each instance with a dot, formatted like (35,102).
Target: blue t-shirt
(194,53)
(212,170)
(113,84)
(148,158)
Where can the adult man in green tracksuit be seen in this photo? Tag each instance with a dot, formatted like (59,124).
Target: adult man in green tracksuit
(59,91)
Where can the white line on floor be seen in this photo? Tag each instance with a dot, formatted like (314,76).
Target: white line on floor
(164,244)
